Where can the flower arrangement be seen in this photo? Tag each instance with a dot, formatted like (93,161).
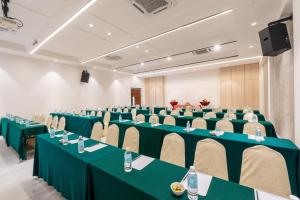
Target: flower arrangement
(204,102)
(173,103)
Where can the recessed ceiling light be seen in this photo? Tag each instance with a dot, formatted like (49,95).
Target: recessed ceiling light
(146,51)
(251,47)
(109,33)
(217,47)
(91,25)
(114,70)
(142,64)
(169,58)
(253,24)
(55,60)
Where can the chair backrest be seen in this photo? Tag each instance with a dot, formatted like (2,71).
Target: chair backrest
(174,112)
(173,150)
(119,110)
(250,128)
(112,137)
(49,121)
(93,113)
(219,109)
(61,124)
(188,108)
(162,112)
(266,170)
(106,119)
(97,131)
(125,110)
(169,120)
(54,122)
(210,115)
(109,109)
(188,113)
(198,109)
(83,113)
(225,125)
(99,114)
(154,119)
(210,158)
(199,123)
(140,118)
(249,116)
(131,139)
(230,115)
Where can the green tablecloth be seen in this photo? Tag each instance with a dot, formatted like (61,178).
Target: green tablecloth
(151,139)
(63,167)
(153,182)
(81,125)
(238,125)
(16,135)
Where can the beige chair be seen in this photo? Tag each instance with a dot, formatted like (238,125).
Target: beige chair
(225,126)
(162,112)
(249,117)
(106,121)
(219,109)
(109,109)
(112,137)
(210,158)
(34,117)
(133,113)
(154,119)
(83,113)
(54,122)
(188,113)
(188,108)
(49,121)
(99,114)
(230,115)
(250,128)
(210,115)
(198,109)
(41,119)
(265,169)
(119,110)
(140,118)
(199,123)
(169,120)
(92,113)
(174,112)
(125,110)
(61,124)
(97,131)
(131,140)
(173,150)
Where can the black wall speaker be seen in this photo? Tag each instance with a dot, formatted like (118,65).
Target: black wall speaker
(274,39)
(85,76)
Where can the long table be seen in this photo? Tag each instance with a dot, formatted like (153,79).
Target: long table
(238,124)
(100,175)
(81,125)
(151,139)
(16,135)
(138,111)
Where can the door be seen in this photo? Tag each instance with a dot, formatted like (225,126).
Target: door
(136,96)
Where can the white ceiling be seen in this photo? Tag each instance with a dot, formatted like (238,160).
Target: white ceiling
(78,42)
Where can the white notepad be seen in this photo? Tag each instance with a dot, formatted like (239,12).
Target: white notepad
(191,129)
(253,137)
(141,162)
(267,196)
(203,183)
(125,120)
(60,135)
(76,140)
(95,147)
(158,124)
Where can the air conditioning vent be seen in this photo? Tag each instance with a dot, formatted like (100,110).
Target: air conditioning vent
(152,7)
(202,51)
(113,57)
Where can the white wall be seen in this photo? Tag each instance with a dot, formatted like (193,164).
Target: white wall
(193,87)
(30,85)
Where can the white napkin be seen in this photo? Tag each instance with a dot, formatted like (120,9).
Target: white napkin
(158,124)
(267,196)
(253,137)
(95,147)
(138,122)
(191,129)
(76,140)
(124,120)
(141,162)
(60,135)
(203,183)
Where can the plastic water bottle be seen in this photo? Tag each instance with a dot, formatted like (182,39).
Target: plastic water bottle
(258,135)
(80,144)
(52,133)
(120,118)
(192,184)
(218,130)
(188,126)
(127,160)
(254,118)
(65,138)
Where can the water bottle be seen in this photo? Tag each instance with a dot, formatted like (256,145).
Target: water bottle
(254,118)
(192,184)
(65,138)
(188,126)
(127,160)
(258,135)
(80,144)
(218,130)
(52,133)
(120,118)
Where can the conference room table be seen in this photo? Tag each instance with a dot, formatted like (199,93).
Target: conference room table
(138,111)
(81,125)
(100,174)
(16,135)
(151,139)
(260,117)
(238,124)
